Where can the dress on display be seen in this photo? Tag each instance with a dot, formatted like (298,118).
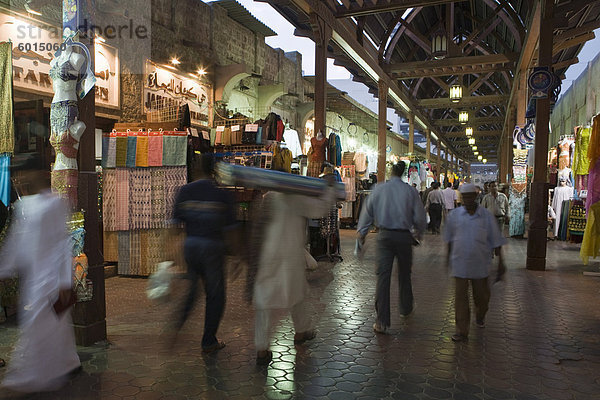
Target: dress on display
(316,159)
(581,163)
(516,207)
(561,193)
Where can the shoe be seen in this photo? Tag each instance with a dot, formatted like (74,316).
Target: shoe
(215,347)
(378,328)
(264,357)
(480,323)
(411,311)
(302,337)
(459,338)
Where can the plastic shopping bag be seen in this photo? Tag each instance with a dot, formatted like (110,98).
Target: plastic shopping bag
(159,282)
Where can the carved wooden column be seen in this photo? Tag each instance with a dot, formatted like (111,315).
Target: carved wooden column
(428,145)
(538,204)
(411,133)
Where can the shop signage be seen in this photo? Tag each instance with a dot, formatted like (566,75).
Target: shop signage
(165,88)
(33,47)
(540,81)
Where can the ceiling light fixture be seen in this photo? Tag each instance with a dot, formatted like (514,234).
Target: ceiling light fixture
(469,131)
(175,61)
(455,93)
(463,117)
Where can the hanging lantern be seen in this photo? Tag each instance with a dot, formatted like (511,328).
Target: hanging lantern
(471,141)
(476,153)
(463,117)
(469,131)
(439,44)
(474,148)
(484,160)
(480,157)
(455,93)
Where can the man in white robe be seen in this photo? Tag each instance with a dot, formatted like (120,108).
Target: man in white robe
(281,281)
(38,249)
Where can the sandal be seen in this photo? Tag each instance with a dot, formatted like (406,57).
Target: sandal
(215,347)
(2,363)
(302,337)
(264,357)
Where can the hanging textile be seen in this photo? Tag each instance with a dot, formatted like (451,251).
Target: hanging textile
(581,162)
(175,148)
(5,178)
(7,132)
(141,150)
(122,199)
(131,149)
(155,149)
(590,246)
(594,146)
(121,155)
(140,198)
(561,193)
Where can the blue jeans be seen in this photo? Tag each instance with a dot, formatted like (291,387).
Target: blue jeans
(390,245)
(204,258)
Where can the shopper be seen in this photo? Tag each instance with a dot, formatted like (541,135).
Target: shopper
(435,205)
(281,277)
(497,203)
(396,209)
(450,198)
(472,235)
(38,249)
(208,215)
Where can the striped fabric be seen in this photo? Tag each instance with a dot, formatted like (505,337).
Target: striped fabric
(122,199)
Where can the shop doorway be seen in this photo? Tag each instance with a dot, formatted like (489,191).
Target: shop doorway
(32,130)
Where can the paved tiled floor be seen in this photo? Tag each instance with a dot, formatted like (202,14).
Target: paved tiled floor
(542,340)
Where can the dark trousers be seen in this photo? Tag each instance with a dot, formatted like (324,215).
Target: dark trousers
(481,298)
(390,245)
(204,258)
(435,216)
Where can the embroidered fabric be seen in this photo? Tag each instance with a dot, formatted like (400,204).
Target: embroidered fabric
(7,133)
(64,183)
(62,115)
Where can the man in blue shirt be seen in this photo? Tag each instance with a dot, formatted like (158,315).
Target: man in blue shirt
(396,209)
(472,235)
(208,213)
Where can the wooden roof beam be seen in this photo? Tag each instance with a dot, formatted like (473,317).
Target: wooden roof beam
(454,62)
(472,122)
(476,134)
(475,69)
(464,102)
(381,7)
(576,41)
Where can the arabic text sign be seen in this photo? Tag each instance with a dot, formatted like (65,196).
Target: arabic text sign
(166,87)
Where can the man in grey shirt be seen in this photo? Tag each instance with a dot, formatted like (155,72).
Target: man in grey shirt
(396,209)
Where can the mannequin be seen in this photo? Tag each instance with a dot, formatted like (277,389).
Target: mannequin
(319,135)
(561,193)
(66,129)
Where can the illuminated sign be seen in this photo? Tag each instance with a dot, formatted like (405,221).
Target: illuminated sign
(164,88)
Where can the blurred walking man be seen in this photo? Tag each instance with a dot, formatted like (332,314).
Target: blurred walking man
(497,203)
(472,234)
(396,209)
(207,212)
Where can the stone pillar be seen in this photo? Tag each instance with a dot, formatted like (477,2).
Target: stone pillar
(428,145)
(382,130)
(322,35)
(538,213)
(411,133)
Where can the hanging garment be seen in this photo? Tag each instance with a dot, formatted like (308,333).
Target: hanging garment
(516,207)
(564,160)
(282,159)
(581,162)
(590,246)
(593,186)
(122,199)
(121,157)
(318,149)
(280,130)
(564,219)
(5,179)
(561,193)
(290,137)
(7,132)
(109,200)
(361,162)
(594,146)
